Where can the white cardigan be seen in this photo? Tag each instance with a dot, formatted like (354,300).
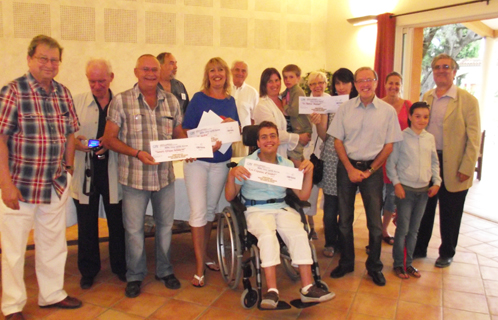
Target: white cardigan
(88,116)
(267,110)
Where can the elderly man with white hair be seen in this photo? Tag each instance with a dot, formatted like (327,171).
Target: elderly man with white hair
(246,99)
(96,176)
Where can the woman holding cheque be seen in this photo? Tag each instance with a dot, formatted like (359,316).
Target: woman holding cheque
(267,212)
(205,178)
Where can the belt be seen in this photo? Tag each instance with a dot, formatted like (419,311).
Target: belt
(361,165)
(250,202)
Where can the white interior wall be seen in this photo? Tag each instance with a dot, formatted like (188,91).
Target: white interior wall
(264,33)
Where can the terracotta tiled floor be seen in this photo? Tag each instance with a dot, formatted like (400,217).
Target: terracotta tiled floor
(468,289)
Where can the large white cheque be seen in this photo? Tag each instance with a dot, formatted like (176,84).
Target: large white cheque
(226,132)
(325,104)
(179,149)
(274,174)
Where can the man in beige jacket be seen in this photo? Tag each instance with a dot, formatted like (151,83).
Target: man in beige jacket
(455,123)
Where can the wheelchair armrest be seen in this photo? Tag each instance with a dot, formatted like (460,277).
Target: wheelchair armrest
(237,206)
(293,201)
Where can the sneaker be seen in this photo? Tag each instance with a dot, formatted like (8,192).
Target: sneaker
(270,300)
(316,294)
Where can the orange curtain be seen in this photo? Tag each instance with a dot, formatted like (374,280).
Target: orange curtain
(384,51)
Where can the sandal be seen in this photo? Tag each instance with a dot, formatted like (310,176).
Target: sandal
(400,272)
(211,265)
(328,252)
(200,281)
(412,271)
(389,240)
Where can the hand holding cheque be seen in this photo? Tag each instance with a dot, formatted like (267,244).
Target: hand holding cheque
(272,173)
(321,105)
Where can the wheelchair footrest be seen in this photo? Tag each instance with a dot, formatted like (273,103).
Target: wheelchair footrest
(282,305)
(297,303)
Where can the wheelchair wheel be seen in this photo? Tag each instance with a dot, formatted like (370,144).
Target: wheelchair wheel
(249,298)
(229,248)
(292,272)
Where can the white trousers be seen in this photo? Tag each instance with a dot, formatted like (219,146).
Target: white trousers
(263,223)
(205,182)
(49,221)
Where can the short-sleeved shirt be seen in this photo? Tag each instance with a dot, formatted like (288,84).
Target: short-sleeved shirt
(139,125)
(246,98)
(261,191)
(365,130)
(37,123)
(224,108)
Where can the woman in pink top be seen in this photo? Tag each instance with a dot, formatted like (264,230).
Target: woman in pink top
(393,97)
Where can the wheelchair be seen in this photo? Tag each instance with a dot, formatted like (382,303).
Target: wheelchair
(238,254)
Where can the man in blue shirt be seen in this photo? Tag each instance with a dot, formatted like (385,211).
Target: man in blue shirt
(267,212)
(364,129)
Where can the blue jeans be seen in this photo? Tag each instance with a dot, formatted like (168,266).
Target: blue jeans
(410,212)
(371,194)
(135,203)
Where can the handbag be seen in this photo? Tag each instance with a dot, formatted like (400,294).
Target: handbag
(317,167)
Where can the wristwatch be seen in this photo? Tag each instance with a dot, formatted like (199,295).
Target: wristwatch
(371,170)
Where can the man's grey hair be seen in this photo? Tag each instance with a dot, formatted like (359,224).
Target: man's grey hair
(99,61)
(163,56)
(454,64)
(240,61)
(363,69)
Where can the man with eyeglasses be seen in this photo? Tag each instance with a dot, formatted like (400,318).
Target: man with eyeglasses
(364,129)
(455,124)
(37,124)
(136,117)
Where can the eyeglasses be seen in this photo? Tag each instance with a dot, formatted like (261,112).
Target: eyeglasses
(442,67)
(365,80)
(320,83)
(154,70)
(45,60)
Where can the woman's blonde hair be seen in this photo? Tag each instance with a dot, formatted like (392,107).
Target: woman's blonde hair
(217,61)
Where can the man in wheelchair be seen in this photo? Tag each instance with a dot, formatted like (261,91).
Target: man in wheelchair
(267,212)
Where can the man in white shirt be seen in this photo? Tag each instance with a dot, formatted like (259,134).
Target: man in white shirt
(246,98)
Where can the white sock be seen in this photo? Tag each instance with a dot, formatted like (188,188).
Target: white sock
(304,290)
(273,289)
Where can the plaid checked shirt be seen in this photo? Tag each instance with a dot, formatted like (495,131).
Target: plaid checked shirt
(139,125)
(37,124)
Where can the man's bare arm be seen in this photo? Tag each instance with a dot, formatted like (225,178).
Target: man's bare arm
(10,194)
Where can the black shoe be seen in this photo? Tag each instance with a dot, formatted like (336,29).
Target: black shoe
(122,277)
(377,277)
(86,282)
(340,271)
(170,281)
(443,262)
(133,289)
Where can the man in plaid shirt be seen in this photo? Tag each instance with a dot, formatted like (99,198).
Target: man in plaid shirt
(136,117)
(37,122)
